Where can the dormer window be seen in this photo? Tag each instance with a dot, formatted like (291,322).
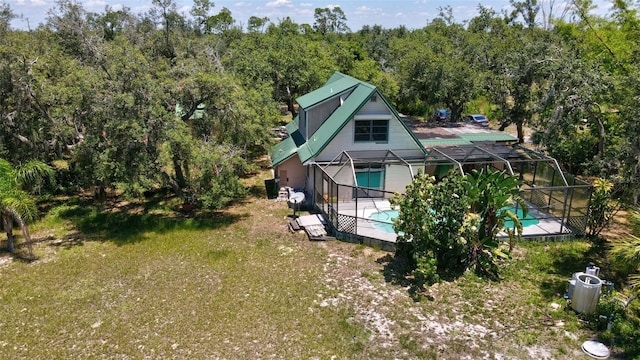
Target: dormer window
(371,130)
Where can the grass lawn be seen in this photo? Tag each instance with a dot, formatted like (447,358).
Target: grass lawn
(139,282)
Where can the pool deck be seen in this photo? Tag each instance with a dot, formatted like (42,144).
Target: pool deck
(546,228)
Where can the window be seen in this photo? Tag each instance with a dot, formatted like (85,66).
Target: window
(372,130)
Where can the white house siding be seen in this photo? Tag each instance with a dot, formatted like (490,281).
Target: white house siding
(400,141)
(317,114)
(302,122)
(291,173)
(397,177)
(374,107)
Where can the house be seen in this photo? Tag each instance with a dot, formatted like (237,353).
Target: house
(348,151)
(345,115)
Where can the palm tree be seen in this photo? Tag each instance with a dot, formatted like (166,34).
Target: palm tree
(626,252)
(17,206)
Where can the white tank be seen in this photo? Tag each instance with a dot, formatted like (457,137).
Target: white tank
(586,293)
(572,284)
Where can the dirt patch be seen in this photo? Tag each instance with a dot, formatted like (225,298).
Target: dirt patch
(452,325)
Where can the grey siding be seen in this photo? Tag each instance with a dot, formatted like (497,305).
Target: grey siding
(317,114)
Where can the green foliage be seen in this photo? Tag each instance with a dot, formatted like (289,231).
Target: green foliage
(329,20)
(430,218)
(624,329)
(453,224)
(99,90)
(602,207)
(625,255)
(215,182)
(491,195)
(16,205)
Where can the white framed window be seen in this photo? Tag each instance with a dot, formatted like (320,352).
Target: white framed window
(371,131)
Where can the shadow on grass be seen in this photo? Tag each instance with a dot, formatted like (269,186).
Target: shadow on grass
(397,270)
(123,223)
(567,260)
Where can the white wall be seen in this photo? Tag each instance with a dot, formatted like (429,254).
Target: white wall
(399,140)
(397,177)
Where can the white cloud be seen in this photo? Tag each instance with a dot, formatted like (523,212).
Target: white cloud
(280,3)
(367,11)
(243,4)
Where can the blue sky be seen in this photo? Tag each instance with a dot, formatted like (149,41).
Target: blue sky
(387,13)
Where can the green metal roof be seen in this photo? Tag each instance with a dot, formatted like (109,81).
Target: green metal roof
(468,139)
(325,92)
(490,136)
(283,151)
(429,143)
(289,146)
(198,114)
(332,125)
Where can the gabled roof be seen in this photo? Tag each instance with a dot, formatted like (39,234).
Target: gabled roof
(330,89)
(337,84)
(289,146)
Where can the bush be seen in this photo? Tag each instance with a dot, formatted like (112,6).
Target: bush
(452,225)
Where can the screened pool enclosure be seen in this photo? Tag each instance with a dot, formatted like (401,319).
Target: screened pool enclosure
(353,189)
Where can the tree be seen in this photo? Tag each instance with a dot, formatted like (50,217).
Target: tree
(16,205)
(257,24)
(164,11)
(436,70)
(430,222)
(330,21)
(453,224)
(6,15)
(200,11)
(220,22)
(527,9)
(283,58)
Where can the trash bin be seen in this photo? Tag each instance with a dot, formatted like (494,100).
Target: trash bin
(272,188)
(586,293)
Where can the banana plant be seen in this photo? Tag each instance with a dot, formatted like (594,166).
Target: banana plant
(493,193)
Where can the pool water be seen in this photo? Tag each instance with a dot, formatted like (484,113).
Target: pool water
(384,219)
(528,220)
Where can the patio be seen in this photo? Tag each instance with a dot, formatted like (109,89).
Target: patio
(558,201)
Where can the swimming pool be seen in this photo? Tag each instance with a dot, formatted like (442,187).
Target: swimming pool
(528,220)
(384,219)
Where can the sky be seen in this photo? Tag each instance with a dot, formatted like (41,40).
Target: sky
(386,13)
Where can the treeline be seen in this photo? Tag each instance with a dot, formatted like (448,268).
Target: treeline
(134,102)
